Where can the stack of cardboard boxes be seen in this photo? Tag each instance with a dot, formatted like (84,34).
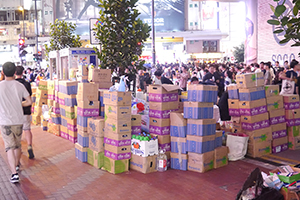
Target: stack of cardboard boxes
(292,114)
(163,99)
(33,98)
(204,143)
(41,99)
(117,134)
(233,107)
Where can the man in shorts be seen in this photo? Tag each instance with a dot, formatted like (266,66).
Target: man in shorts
(27,112)
(11,116)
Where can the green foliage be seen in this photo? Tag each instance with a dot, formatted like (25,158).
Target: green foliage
(286,21)
(62,35)
(239,52)
(121,34)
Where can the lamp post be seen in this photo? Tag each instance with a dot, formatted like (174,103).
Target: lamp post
(22,9)
(153,35)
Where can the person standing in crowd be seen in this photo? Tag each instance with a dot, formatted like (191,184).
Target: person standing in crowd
(292,75)
(194,80)
(262,67)
(277,66)
(268,76)
(256,68)
(27,112)
(159,79)
(286,65)
(141,83)
(30,76)
(209,76)
(11,116)
(183,78)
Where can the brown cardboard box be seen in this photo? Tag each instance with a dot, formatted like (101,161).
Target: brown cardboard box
(292,114)
(279,141)
(260,135)
(50,102)
(159,122)
(36,120)
(279,130)
(95,158)
(104,85)
(43,85)
(96,143)
(118,126)
(162,139)
(250,80)
(87,92)
(275,102)
(114,136)
(115,166)
(40,102)
(251,104)
(271,90)
(117,112)
(99,75)
(259,149)
(201,162)
(256,118)
(163,89)
(293,131)
(118,149)
(294,143)
(290,98)
(117,98)
(143,164)
(50,84)
(37,111)
(163,106)
(96,126)
(221,156)
(277,113)
(41,94)
(136,120)
(176,119)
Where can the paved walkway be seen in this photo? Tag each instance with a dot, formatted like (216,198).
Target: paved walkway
(57,174)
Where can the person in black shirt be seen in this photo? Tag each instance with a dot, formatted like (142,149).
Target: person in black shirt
(27,113)
(163,79)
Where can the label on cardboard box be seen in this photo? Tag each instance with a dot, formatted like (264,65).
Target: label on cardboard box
(255,122)
(250,108)
(197,144)
(250,80)
(260,135)
(275,102)
(96,143)
(117,139)
(115,166)
(201,127)
(278,130)
(117,112)
(201,162)
(202,93)
(198,110)
(280,148)
(117,98)
(88,108)
(159,126)
(143,164)
(165,114)
(221,157)
(96,126)
(163,97)
(144,148)
(272,90)
(118,126)
(116,156)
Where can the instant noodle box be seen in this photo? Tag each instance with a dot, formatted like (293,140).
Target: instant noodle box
(41,94)
(159,126)
(255,122)
(250,108)
(96,126)
(51,94)
(291,101)
(250,80)
(279,130)
(292,117)
(161,114)
(260,135)
(118,126)
(117,112)
(163,93)
(178,126)
(68,87)
(272,90)
(87,92)
(162,139)
(96,143)
(81,152)
(43,85)
(117,98)
(275,102)
(50,85)
(198,144)
(252,94)
(117,139)
(136,124)
(198,110)
(163,106)
(179,161)
(201,162)
(234,107)
(64,132)
(117,153)
(143,164)
(95,158)
(221,157)
(179,145)
(70,100)
(277,116)
(201,127)
(202,93)
(72,124)
(144,148)
(99,75)
(233,91)
(83,138)
(280,144)
(259,149)
(88,108)
(115,166)
(218,140)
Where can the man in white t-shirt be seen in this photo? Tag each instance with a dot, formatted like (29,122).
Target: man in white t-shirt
(11,116)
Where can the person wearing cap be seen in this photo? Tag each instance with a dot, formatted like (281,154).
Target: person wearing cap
(11,116)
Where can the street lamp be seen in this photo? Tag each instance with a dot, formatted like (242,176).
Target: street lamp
(22,9)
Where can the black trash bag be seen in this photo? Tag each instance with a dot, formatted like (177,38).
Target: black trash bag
(255,179)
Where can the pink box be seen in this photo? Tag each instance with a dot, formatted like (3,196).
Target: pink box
(234,112)
(279,134)
(72,128)
(277,120)
(292,105)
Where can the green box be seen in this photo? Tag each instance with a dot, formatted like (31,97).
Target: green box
(95,158)
(293,131)
(286,179)
(116,166)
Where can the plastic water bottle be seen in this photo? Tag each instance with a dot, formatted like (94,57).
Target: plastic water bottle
(161,161)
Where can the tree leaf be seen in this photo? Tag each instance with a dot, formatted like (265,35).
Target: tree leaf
(286,40)
(278,31)
(279,10)
(296,44)
(273,22)
(295,10)
(272,8)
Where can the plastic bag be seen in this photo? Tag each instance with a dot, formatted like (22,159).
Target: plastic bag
(237,144)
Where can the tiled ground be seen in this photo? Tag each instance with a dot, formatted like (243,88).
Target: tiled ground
(57,174)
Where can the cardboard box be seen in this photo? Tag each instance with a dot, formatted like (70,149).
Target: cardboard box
(70,100)
(64,121)
(117,139)
(275,102)
(117,112)
(159,126)
(143,164)
(162,139)
(202,93)
(260,135)
(40,102)
(279,130)
(83,138)
(179,145)
(81,152)
(72,124)
(177,119)
(163,106)
(259,149)
(292,117)
(234,107)
(198,110)
(280,144)
(41,94)
(99,75)
(50,84)
(255,122)
(64,132)
(67,111)
(50,102)
(88,108)
(117,153)
(117,98)
(179,161)
(218,140)
(56,119)
(51,94)
(96,126)
(72,136)
(136,123)
(250,80)
(201,162)
(36,120)
(291,101)
(95,158)
(272,90)
(294,143)
(164,114)
(233,91)
(87,92)
(37,111)
(144,148)
(166,146)
(293,131)
(68,87)
(118,126)
(252,94)
(201,127)
(277,116)
(221,157)
(115,166)
(163,93)
(43,85)
(96,143)
(197,144)
(145,123)
(250,108)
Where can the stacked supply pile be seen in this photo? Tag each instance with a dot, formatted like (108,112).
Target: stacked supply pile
(163,99)
(233,107)
(117,134)
(254,113)
(95,152)
(292,115)
(277,118)
(87,107)
(178,141)
(136,124)
(54,107)
(203,142)
(41,99)
(33,98)
(100,76)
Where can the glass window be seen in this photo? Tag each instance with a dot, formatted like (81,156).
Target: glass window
(196,23)
(191,41)
(46,12)
(191,23)
(50,12)
(3,16)
(191,5)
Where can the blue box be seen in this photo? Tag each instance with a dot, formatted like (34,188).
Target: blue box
(71,102)
(252,94)
(178,145)
(64,122)
(202,93)
(82,121)
(200,145)
(198,110)
(233,91)
(178,131)
(56,119)
(201,127)
(81,152)
(179,161)
(83,139)
(218,140)
(68,87)
(62,111)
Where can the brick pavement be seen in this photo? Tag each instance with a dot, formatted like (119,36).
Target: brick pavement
(57,174)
